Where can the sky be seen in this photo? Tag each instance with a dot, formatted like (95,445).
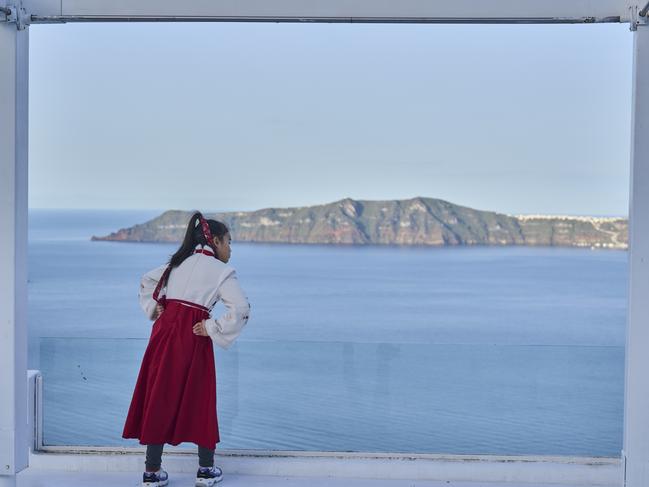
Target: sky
(520,119)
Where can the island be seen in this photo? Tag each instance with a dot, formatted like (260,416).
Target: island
(416,221)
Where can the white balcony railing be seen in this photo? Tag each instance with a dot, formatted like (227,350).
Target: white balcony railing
(560,470)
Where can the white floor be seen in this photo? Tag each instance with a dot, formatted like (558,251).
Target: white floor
(320,469)
(52,478)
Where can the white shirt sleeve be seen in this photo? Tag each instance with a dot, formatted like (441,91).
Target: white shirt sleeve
(148,284)
(227,328)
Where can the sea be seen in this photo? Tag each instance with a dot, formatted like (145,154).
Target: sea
(463,350)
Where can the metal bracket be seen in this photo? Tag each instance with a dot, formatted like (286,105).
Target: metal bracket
(643,12)
(638,17)
(18,15)
(633,24)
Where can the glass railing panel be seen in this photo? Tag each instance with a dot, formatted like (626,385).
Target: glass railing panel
(370,397)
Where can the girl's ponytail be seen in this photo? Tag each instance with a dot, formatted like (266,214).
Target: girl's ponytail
(189,242)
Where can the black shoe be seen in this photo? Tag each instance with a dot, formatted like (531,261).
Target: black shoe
(155,479)
(208,476)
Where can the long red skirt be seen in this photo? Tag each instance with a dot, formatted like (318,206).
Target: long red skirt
(175,395)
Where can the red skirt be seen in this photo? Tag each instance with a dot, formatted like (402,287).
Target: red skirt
(175,395)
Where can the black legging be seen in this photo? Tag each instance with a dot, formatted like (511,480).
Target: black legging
(154,457)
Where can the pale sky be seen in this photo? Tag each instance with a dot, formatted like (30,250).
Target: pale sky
(516,119)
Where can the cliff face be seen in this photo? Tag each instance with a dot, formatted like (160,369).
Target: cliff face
(417,221)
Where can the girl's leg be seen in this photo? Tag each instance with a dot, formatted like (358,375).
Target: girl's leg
(153,457)
(205,457)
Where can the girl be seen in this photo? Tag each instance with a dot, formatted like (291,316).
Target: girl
(175,395)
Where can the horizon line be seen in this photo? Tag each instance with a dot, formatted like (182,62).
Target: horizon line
(161,210)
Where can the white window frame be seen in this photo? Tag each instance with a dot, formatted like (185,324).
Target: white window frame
(17,15)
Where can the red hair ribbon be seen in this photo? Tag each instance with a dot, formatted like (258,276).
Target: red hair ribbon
(207,233)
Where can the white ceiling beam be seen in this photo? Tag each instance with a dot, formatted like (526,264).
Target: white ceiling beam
(384,11)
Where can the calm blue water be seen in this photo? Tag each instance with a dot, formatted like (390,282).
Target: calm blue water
(463,350)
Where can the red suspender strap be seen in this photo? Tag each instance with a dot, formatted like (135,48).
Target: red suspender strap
(203,251)
(161,283)
(165,277)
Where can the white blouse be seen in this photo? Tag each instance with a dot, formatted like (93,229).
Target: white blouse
(204,280)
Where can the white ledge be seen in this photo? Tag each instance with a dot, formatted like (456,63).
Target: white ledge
(506,470)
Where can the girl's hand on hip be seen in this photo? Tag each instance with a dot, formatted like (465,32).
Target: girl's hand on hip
(199,329)
(158,311)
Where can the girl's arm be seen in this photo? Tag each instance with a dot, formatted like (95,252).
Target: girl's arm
(148,284)
(227,328)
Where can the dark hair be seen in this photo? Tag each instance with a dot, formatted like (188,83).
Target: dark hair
(194,236)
